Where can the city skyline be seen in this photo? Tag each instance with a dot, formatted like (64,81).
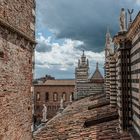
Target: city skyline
(53,55)
(65,28)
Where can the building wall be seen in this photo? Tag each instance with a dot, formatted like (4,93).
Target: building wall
(81,76)
(107,80)
(135,79)
(124,86)
(16,51)
(19,14)
(113,93)
(87,89)
(128,76)
(52,105)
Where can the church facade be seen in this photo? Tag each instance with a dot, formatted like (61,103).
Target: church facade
(122,74)
(85,86)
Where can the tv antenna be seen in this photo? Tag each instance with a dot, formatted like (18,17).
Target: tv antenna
(130,14)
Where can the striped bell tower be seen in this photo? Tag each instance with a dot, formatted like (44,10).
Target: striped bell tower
(108,51)
(81,76)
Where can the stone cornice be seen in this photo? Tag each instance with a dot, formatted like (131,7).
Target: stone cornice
(18,32)
(121,36)
(134,27)
(15,38)
(131,33)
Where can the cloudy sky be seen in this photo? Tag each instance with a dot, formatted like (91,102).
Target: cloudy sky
(66,27)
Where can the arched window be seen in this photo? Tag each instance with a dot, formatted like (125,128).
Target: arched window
(55,96)
(38,96)
(46,96)
(64,96)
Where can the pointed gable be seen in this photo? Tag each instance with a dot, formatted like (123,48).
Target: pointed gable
(97,76)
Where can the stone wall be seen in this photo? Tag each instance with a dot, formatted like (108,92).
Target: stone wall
(16,55)
(135,80)
(127,46)
(88,89)
(19,14)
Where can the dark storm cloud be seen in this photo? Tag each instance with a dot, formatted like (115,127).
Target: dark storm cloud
(85,20)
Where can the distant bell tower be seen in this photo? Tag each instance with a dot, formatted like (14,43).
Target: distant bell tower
(82,69)
(81,76)
(108,44)
(108,52)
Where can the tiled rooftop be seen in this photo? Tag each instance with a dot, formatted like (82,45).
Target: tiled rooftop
(59,82)
(69,125)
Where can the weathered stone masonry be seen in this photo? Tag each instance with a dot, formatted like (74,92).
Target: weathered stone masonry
(17,19)
(19,14)
(127,77)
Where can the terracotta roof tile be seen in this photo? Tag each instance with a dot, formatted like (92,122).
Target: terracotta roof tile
(69,125)
(97,75)
(60,82)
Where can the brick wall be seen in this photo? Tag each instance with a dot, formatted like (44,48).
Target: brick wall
(16,52)
(52,105)
(19,14)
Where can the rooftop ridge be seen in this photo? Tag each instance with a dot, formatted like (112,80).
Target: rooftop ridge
(91,122)
(100,104)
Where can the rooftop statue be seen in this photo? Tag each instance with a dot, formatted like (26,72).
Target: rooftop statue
(122,20)
(44,111)
(61,103)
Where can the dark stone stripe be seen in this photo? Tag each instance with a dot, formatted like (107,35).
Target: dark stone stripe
(135,71)
(136,113)
(133,45)
(135,61)
(135,89)
(134,80)
(136,42)
(138,107)
(136,124)
(135,98)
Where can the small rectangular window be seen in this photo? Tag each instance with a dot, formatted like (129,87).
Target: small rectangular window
(1,54)
(72,95)
(47,96)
